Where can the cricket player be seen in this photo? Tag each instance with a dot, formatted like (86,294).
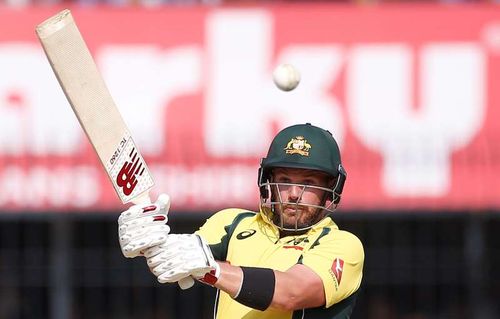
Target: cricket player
(289,260)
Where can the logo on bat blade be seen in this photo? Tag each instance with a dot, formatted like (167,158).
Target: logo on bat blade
(127,177)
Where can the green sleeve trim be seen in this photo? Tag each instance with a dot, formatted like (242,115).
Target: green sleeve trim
(340,310)
(219,250)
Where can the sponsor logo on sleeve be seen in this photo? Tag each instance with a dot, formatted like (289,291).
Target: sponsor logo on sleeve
(337,269)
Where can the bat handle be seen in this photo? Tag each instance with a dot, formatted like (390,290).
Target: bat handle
(186,283)
(142,199)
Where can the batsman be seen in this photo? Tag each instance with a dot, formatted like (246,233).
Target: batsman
(289,260)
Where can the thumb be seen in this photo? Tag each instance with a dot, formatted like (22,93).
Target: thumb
(163,202)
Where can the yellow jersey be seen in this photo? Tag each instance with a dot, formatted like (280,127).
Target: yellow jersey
(244,238)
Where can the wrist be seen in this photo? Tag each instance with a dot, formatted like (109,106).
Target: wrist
(239,287)
(211,277)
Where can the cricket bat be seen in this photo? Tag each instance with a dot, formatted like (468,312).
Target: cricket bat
(96,111)
(94,107)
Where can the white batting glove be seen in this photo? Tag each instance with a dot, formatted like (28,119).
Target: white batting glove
(182,256)
(143,226)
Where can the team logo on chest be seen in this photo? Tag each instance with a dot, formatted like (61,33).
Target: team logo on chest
(296,243)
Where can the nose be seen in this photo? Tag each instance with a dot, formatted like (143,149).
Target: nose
(294,193)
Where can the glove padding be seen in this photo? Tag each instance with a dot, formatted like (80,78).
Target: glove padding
(143,226)
(180,257)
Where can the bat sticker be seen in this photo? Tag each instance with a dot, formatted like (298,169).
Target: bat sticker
(127,177)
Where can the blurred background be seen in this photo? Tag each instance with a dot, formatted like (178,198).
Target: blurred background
(409,89)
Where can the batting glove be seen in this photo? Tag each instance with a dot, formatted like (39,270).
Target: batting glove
(143,226)
(183,256)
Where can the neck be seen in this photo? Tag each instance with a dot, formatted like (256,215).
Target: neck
(286,233)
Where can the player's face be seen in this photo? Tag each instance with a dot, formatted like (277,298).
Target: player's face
(300,203)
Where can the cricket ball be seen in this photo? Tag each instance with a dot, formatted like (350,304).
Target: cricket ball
(286,77)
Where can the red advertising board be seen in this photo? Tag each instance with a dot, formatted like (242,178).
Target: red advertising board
(410,92)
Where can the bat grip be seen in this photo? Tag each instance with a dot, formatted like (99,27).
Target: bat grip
(142,199)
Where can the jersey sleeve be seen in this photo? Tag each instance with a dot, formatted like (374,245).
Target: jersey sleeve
(338,260)
(216,231)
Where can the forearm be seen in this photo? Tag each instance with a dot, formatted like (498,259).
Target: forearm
(294,289)
(297,288)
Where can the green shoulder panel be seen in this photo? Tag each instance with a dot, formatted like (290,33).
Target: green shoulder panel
(219,250)
(324,232)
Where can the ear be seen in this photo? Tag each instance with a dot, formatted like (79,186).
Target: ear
(339,186)
(260,180)
(263,177)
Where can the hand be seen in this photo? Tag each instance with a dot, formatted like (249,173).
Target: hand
(143,226)
(183,256)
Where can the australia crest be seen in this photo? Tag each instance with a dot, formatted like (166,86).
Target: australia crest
(298,145)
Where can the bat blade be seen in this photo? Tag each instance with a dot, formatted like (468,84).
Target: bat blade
(94,107)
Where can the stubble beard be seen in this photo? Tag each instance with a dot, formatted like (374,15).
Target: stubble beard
(307,216)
